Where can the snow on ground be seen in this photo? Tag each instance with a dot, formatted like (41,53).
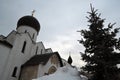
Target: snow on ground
(64,73)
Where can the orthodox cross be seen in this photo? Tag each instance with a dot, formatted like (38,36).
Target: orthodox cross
(33,12)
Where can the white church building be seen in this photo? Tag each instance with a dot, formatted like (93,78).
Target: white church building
(21,57)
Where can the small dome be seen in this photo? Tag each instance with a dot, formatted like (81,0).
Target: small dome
(29,21)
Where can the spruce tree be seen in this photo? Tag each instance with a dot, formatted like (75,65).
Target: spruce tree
(101,48)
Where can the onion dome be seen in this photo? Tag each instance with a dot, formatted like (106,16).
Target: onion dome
(29,21)
(70,60)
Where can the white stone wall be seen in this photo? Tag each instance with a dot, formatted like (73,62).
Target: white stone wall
(44,68)
(41,47)
(37,49)
(11,37)
(17,58)
(40,70)
(48,65)
(4,54)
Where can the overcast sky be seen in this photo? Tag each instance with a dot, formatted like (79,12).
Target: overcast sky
(59,20)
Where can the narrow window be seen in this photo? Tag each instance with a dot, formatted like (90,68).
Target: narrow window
(25,31)
(23,48)
(41,51)
(14,72)
(36,50)
(33,36)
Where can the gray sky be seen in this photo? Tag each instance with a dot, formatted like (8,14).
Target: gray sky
(59,19)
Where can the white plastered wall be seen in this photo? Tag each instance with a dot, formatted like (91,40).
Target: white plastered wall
(17,58)
(4,54)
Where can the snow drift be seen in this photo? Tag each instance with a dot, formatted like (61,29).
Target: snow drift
(64,73)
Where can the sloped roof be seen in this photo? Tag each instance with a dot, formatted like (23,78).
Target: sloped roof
(41,59)
(6,43)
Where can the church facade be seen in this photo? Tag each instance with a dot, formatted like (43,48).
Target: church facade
(21,57)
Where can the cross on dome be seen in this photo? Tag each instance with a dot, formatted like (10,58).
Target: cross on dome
(33,11)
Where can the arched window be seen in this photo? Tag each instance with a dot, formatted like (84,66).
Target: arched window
(24,45)
(51,70)
(25,31)
(14,72)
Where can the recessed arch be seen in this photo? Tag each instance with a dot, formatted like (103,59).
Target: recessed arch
(52,69)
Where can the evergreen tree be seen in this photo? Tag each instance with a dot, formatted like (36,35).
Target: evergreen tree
(101,45)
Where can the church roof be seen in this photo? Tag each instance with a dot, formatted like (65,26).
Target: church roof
(41,59)
(6,43)
(29,21)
